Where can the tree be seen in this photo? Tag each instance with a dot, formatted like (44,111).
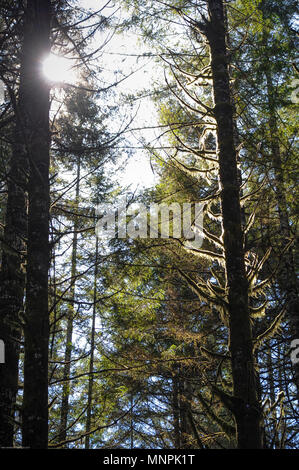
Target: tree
(35,124)
(246,407)
(31,114)
(155,342)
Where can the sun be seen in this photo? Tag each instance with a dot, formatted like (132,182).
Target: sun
(58,69)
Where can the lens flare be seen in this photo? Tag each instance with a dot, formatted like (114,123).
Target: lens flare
(58,69)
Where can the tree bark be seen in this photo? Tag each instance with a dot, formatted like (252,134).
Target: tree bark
(176,412)
(12,279)
(92,348)
(246,408)
(185,411)
(70,320)
(287,274)
(37,138)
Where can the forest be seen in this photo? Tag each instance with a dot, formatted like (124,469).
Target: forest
(148,224)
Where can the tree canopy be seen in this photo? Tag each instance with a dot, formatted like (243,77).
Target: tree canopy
(164,314)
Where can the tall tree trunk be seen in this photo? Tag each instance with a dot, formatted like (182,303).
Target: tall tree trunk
(70,322)
(132,422)
(185,411)
(287,275)
(37,138)
(92,347)
(12,279)
(246,407)
(176,412)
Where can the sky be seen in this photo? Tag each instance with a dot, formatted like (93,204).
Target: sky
(116,55)
(120,53)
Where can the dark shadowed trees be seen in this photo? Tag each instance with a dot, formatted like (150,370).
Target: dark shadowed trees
(35,127)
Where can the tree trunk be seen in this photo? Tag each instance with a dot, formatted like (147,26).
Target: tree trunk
(246,407)
(12,280)
(37,138)
(287,275)
(70,320)
(176,412)
(92,346)
(185,410)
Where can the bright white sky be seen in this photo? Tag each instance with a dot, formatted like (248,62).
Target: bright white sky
(116,55)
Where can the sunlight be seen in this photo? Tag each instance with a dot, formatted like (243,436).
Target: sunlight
(58,69)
